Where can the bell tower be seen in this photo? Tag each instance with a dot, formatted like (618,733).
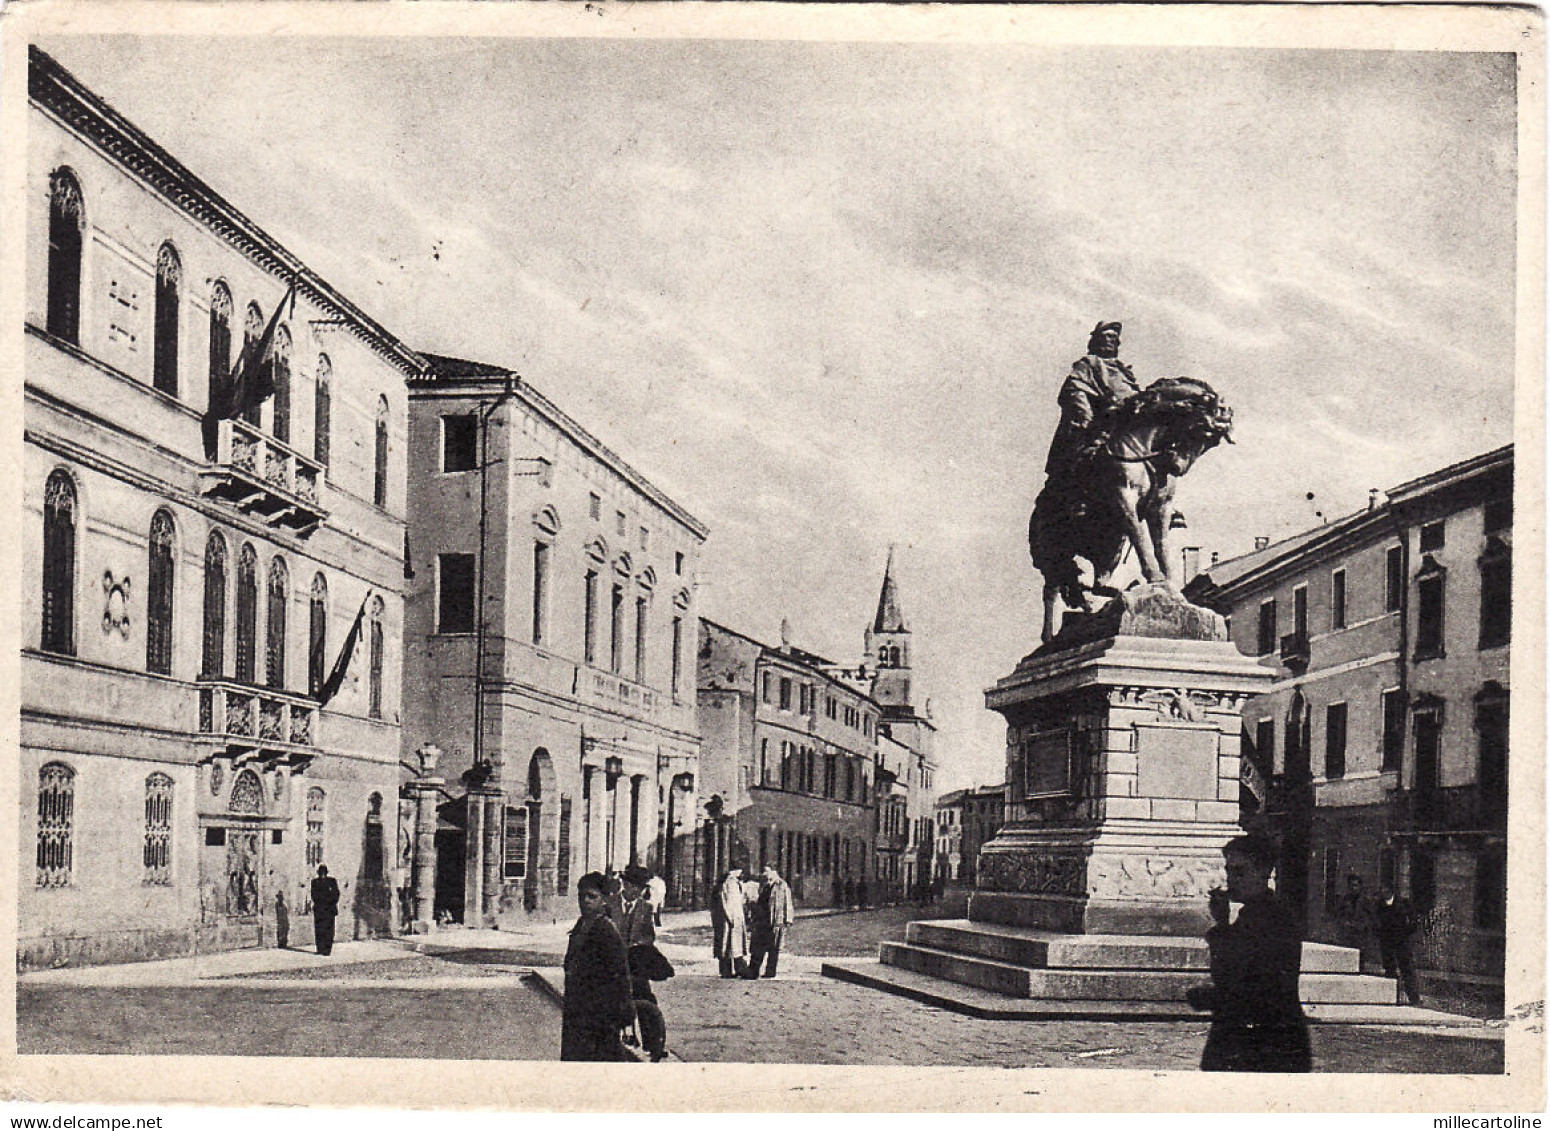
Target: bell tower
(888,648)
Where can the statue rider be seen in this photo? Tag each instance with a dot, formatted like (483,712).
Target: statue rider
(1097,385)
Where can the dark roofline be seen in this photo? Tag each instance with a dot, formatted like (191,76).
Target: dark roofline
(1424,485)
(1303,548)
(50,86)
(797,657)
(444,373)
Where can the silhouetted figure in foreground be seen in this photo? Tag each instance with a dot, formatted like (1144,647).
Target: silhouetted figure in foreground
(598,1001)
(1257,1023)
(325,909)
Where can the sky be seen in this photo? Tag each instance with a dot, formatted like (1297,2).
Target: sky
(824,294)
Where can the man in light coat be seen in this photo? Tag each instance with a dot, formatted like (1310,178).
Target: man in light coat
(771,914)
(731,925)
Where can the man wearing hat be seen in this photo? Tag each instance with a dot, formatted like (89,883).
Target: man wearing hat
(638,925)
(1097,385)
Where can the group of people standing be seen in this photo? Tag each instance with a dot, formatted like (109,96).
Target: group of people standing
(750,914)
(610,962)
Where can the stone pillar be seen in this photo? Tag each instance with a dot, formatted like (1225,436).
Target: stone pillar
(594,820)
(426,789)
(473,863)
(1122,773)
(494,820)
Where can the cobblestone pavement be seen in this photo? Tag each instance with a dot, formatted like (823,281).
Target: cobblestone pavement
(459,995)
(499,1020)
(804,1021)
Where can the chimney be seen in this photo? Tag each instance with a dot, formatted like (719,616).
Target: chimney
(1215,557)
(1374,499)
(1261,541)
(1191,563)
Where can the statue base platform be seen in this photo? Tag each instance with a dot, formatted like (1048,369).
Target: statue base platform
(1121,773)
(1121,788)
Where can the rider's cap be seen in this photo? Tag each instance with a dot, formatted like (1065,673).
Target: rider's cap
(1102,326)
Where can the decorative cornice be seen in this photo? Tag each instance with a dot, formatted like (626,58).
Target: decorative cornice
(56,91)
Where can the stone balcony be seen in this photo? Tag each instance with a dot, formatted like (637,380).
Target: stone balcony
(617,693)
(265,478)
(258,723)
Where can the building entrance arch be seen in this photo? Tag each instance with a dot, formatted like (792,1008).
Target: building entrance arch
(543,825)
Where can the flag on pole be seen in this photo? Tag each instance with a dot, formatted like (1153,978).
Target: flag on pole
(252,382)
(335,678)
(1249,774)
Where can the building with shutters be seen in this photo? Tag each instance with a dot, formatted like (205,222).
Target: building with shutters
(1383,745)
(789,761)
(565,713)
(188,580)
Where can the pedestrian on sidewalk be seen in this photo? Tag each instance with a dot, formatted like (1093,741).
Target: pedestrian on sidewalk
(770,915)
(325,909)
(1397,923)
(1258,1023)
(598,1002)
(282,921)
(729,916)
(637,925)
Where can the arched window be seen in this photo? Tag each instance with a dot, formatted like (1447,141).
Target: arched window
(247,613)
(380,485)
(252,332)
(882,655)
(315,812)
(164,346)
(282,385)
(59,514)
(158,830)
(158,599)
(317,635)
(322,406)
(220,361)
(56,825)
(375,700)
(66,237)
(274,639)
(214,662)
(247,795)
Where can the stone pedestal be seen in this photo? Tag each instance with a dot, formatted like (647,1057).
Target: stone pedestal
(426,790)
(1122,773)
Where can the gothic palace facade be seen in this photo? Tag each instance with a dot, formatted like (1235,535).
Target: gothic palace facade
(191,579)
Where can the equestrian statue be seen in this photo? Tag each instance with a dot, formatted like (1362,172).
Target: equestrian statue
(1112,469)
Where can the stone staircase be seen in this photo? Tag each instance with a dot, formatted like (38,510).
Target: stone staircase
(956,962)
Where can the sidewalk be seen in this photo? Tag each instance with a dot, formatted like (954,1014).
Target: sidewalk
(222,964)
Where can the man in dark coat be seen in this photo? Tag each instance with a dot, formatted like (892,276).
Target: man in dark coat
(1396,923)
(325,909)
(598,1001)
(1258,1023)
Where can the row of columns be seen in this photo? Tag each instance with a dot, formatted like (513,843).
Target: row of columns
(619,817)
(618,824)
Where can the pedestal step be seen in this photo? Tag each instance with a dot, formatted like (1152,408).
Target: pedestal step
(1029,946)
(987,1004)
(1107,985)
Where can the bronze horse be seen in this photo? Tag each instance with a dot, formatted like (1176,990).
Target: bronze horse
(1122,494)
